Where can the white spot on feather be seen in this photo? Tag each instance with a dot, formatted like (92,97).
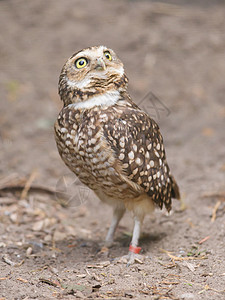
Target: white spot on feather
(135,147)
(156,153)
(131,155)
(93,141)
(138,161)
(152,163)
(68,143)
(63,130)
(135,171)
(121,157)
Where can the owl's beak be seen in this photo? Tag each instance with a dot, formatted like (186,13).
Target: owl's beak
(100,65)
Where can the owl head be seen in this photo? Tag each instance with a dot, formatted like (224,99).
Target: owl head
(89,72)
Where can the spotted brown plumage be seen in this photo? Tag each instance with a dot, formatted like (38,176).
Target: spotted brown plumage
(113,146)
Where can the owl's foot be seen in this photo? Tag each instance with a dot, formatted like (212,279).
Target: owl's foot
(132,257)
(135,258)
(104,248)
(108,243)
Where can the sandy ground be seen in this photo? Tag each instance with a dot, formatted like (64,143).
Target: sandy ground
(174,50)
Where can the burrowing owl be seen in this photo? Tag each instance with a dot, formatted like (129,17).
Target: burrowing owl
(113,146)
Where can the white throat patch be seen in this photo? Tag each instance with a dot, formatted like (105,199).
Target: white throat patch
(79,84)
(106,99)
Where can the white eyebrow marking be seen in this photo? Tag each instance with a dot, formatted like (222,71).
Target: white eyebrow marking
(88,52)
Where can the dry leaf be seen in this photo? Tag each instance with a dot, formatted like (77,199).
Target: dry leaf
(39,225)
(189,266)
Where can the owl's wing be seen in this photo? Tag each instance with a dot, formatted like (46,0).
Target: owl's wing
(138,145)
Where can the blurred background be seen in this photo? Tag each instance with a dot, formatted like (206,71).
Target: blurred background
(174,56)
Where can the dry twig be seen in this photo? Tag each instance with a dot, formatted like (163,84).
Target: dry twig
(34,189)
(216,207)
(176,258)
(22,280)
(49,282)
(204,240)
(27,185)
(8,261)
(12,179)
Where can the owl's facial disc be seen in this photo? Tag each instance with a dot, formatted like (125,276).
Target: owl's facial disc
(91,72)
(93,67)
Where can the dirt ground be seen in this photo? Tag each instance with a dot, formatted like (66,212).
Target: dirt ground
(52,251)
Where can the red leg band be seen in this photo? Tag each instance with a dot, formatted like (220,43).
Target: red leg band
(134,249)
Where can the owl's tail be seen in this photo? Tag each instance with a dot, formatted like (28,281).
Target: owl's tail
(175,188)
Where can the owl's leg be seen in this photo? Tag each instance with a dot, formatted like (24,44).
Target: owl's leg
(134,249)
(117,216)
(133,255)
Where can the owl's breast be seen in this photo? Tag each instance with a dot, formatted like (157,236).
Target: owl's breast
(83,148)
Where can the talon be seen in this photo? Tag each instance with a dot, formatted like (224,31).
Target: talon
(131,258)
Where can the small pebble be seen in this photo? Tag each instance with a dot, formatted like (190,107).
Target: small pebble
(29,251)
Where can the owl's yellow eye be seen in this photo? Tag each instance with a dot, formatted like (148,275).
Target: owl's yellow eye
(108,55)
(80,63)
